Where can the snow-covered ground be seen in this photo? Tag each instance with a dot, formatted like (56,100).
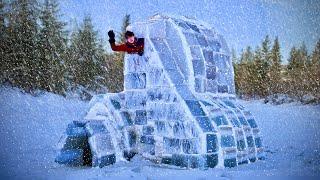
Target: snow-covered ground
(31,126)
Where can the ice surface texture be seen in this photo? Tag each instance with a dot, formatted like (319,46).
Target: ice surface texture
(178,105)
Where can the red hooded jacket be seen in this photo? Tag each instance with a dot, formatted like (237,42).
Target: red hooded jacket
(134,48)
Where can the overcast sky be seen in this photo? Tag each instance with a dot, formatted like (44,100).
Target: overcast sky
(241,22)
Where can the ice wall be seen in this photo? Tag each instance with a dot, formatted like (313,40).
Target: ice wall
(178,106)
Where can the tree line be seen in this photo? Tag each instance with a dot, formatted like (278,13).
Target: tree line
(261,72)
(38,53)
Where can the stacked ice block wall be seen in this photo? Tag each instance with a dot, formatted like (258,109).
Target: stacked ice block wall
(178,106)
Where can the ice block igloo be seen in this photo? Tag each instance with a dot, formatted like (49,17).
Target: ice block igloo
(178,106)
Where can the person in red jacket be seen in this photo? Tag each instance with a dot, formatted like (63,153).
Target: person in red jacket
(133,45)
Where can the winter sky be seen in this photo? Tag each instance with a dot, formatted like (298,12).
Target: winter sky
(241,22)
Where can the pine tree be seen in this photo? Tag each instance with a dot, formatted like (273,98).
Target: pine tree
(2,17)
(250,76)
(293,59)
(247,55)
(265,57)
(303,71)
(265,50)
(243,76)
(315,58)
(315,71)
(303,55)
(86,57)
(52,49)
(295,76)
(4,42)
(23,37)
(72,63)
(275,67)
(259,73)
(240,76)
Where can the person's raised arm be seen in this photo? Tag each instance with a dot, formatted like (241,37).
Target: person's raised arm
(114,47)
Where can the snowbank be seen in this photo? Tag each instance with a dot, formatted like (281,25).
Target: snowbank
(30,126)
(277,99)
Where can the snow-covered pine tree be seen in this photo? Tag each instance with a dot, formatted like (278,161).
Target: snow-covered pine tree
(2,17)
(315,58)
(71,61)
(243,74)
(23,39)
(52,47)
(275,68)
(293,59)
(315,70)
(250,73)
(297,71)
(4,43)
(259,73)
(303,53)
(239,76)
(85,57)
(264,70)
(304,70)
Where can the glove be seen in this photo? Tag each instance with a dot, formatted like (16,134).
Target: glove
(111,37)
(111,34)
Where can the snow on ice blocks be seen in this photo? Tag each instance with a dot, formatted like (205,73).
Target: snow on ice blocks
(86,143)
(178,106)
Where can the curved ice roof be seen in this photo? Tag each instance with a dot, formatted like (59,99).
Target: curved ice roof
(192,47)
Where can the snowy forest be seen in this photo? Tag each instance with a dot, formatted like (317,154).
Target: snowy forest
(260,72)
(38,53)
